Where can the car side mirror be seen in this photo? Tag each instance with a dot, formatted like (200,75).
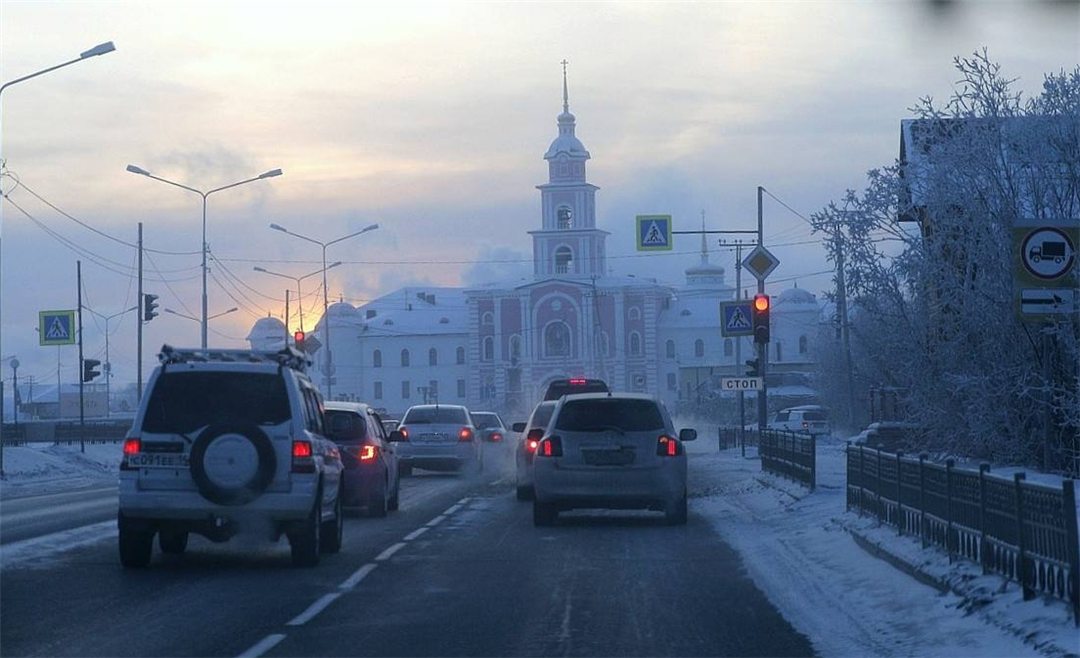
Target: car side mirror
(518,427)
(396,437)
(687,434)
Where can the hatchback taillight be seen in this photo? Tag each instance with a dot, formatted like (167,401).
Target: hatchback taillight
(465,434)
(496,437)
(532,439)
(368,453)
(550,447)
(668,446)
(303,460)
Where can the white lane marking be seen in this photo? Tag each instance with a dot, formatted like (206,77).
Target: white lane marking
(385,555)
(353,580)
(263,645)
(314,609)
(463,500)
(416,533)
(436,521)
(453,509)
(38,548)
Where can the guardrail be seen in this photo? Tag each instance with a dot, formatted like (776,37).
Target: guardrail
(790,454)
(1024,531)
(731,437)
(65,432)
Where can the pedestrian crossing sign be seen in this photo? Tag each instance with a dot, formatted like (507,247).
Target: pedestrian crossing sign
(56,328)
(654,233)
(735,319)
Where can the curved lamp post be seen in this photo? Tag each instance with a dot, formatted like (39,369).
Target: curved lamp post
(297,279)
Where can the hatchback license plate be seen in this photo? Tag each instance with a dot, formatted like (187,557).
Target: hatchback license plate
(608,457)
(159,460)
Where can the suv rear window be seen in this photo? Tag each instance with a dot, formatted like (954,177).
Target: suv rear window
(344,425)
(429,415)
(814,415)
(182,402)
(561,387)
(597,415)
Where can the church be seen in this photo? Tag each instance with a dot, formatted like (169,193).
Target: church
(497,346)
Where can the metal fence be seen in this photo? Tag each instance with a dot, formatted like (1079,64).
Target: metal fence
(732,437)
(789,454)
(1022,530)
(65,432)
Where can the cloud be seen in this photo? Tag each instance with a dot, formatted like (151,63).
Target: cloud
(497,263)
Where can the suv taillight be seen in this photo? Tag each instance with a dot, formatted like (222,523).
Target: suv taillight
(404,433)
(465,434)
(550,447)
(668,446)
(132,446)
(303,460)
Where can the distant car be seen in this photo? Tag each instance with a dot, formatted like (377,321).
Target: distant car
(561,387)
(370,479)
(228,440)
(531,432)
(491,426)
(604,450)
(806,419)
(438,438)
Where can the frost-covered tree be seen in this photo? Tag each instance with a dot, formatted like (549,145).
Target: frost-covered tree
(932,300)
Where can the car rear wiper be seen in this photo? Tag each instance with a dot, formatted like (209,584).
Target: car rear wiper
(605,428)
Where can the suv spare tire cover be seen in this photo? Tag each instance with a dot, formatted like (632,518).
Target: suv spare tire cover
(232,464)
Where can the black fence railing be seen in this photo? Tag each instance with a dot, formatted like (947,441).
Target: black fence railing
(66,432)
(1024,531)
(731,437)
(789,454)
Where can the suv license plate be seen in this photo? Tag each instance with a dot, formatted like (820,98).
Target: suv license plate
(158,460)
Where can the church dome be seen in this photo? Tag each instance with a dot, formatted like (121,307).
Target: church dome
(796,296)
(341,310)
(266,328)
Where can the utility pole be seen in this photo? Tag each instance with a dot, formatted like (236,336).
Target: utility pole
(139,324)
(1048,414)
(841,309)
(762,348)
(738,347)
(287,317)
(78,370)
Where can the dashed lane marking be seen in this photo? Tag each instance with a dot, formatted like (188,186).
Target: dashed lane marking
(436,521)
(385,555)
(453,509)
(263,645)
(314,609)
(354,580)
(464,500)
(416,533)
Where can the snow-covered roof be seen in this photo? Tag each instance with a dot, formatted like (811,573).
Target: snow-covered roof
(265,328)
(414,310)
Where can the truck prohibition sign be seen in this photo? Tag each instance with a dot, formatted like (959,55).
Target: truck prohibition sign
(741,383)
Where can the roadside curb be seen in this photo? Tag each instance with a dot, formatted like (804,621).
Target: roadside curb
(774,485)
(944,585)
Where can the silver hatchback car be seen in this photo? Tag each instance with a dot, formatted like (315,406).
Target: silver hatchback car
(610,450)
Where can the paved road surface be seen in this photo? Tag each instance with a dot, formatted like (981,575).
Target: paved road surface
(34,516)
(479,580)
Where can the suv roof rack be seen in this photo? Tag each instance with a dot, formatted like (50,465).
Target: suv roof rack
(289,357)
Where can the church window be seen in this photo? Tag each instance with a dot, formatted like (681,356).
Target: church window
(378,390)
(404,358)
(605,344)
(460,355)
(671,383)
(635,313)
(376,358)
(405,389)
(779,352)
(727,347)
(635,343)
(699,348)
(433,357)
(515,348)
(564,260)
(670,347)
(461,388)
(556,340)
(802,344)
(489,349)
(565,217)
(487,318)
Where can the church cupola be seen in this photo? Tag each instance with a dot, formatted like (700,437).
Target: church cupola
(567,155)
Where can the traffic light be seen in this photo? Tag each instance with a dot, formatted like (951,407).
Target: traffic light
(88,372)
(298,338)
(754,367)
(761,319)
(149,306)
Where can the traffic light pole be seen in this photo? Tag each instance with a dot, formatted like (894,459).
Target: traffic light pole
(738,349)
(79,370)
(139,324)
(762,348)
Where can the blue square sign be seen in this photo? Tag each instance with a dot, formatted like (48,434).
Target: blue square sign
(654,233)
(56,327)
(736,319)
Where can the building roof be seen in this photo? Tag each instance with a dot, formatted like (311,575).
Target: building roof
(413,310)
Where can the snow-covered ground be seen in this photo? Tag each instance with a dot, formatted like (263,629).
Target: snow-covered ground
(46,467)
(799,549)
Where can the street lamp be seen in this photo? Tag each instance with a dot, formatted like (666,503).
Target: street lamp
(185,315)
(142,172)
(108,363)
(99,49)
(299,295)
(326,318)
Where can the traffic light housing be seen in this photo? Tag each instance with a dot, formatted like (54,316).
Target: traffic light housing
(88,372)
(298,338)
(761,306)
(149,307)
(753,368)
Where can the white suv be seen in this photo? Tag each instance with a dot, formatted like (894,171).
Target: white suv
(229,441)
(807,419)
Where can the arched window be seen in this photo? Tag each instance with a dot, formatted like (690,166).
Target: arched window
(404,358)
(565,217)
(605,344)
(487,318)
(635,343)
(489,349)
(802,345)
(376,359)
(728,347)
(556,340)
(564,260)
(433,357)
(635,313)
(515,348)
(699,348)
(670,347)
(460,355)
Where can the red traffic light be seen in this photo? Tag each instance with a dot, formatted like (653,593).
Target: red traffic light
(761,303)
(299,337)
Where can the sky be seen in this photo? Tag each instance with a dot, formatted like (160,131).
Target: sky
(432,119)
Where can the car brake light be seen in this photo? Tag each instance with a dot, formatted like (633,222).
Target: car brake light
(132,446)
(301,448)
(465,435)
(367,453)
(532,444)
(577,382)
(495,436)
(805,424)
(303,460)
(550,447)
(668,447)
(405,433)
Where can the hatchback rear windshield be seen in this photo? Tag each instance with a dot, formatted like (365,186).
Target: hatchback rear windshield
(182,402)
(484,421)
(345,425)
(429,415)
(600,415)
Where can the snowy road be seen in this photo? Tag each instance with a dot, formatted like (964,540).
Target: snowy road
(34,516)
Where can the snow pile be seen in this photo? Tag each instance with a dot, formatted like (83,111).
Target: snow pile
(43,467)
(799,549)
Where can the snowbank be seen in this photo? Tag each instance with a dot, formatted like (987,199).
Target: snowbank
(799,550)
(46,467)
